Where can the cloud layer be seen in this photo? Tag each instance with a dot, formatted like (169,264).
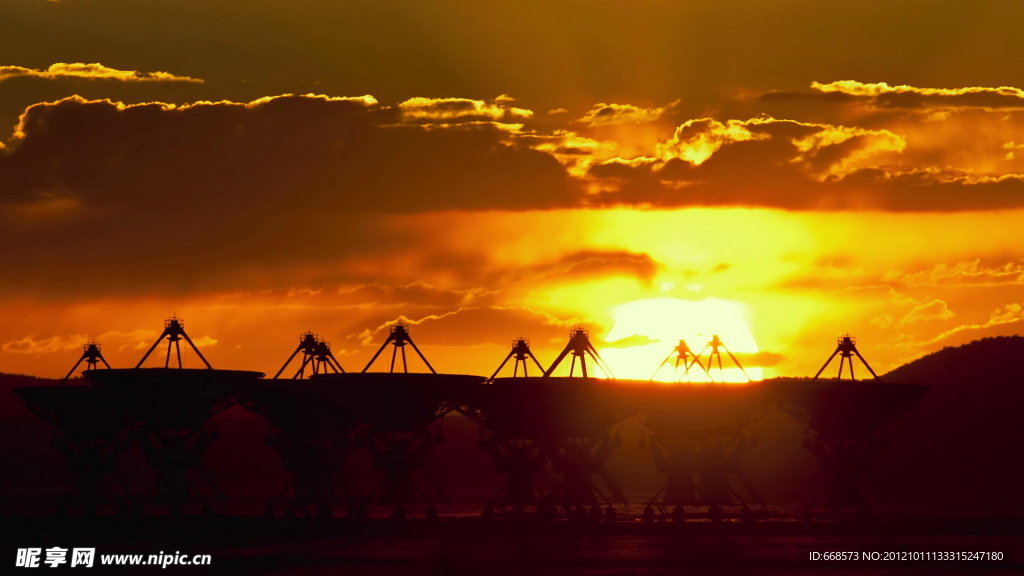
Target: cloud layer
(93,71)
(458,213)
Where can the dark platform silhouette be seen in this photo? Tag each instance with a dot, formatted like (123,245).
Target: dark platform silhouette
(697,439)
(843,420)
(399,415)
(89,430)
(550,436)
(530,422)
(166,409)
(310,425)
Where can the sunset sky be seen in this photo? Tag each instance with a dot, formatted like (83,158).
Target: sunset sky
(777,172)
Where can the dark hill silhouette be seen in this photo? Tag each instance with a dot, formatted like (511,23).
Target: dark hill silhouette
(28,462)
(10,406)
(961,451)
(994,358)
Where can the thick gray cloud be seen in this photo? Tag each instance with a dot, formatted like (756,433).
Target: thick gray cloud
(137,193)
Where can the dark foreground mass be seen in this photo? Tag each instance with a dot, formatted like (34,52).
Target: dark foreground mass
(246,545)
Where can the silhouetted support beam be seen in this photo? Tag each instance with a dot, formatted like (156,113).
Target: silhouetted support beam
(287,362)
(420,354)
(194,348)
(866,365)
(738,365)
(827,362)
(151,349)
(332,362)
(557,361)
(379,350)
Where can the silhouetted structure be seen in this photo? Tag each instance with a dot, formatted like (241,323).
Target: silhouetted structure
(565,420)
(310,426)
(697,435)
(92,356)
(843,419)
(847,349)
(398,338)
(174,333)
(167,408)
(518,457)
(399,415)
(521,352)
(681,353)
(716,346)
(580,347)
(316,355)
(533,426)
(89,430)
(697,439)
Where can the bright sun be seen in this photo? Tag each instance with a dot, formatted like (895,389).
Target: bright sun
(647,331)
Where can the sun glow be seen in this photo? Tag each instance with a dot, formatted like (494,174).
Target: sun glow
(646,331)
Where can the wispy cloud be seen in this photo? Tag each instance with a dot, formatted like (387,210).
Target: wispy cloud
(93,71)
(882,95)
(605,114)
(420,109)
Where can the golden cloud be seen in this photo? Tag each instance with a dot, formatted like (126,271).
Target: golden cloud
(960,274)
(696,140)
(858,146)
(1008,314)
(93,71)
(606,114)
(933,310)
(30,345)
(883,96)
(420,109)
(44,108)
(855,88)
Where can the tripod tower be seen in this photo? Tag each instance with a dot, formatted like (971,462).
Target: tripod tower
(716,346)
(92,356)
(398,338)
(580,347)
(168,407)
(521,352)
(316,354)
(681,353)
(174,332)
(846,349)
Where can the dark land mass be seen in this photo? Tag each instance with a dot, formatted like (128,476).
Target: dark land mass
(961,450)
(948,474)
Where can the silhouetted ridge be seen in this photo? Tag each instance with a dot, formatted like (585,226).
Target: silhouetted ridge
(960,452)
(10,406)
(10,380)
(989,358)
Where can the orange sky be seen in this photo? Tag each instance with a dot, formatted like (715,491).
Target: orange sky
(780,175)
